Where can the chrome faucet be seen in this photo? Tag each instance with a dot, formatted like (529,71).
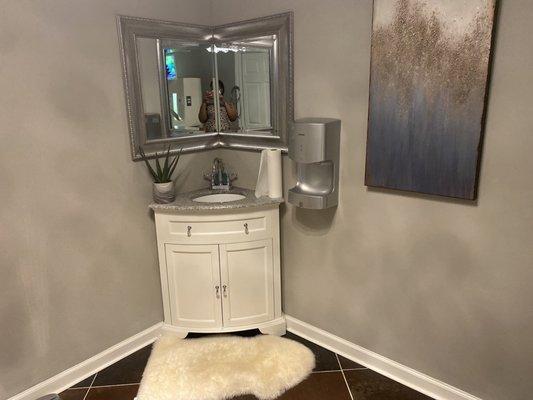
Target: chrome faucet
(220,179)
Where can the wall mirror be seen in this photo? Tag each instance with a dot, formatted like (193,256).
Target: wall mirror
(172,72)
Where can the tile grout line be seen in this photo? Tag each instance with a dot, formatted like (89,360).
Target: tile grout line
(326,371)
(115,385)
(337,370)
(344,376)
(354,369)
(90,386)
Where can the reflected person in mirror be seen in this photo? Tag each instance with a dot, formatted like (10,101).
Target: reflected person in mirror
(228,113)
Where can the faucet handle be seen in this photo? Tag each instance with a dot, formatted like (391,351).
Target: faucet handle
(231,177)
(208,176)
(217,163)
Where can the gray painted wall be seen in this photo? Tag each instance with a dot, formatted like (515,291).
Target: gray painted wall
(443,287)
(78,266)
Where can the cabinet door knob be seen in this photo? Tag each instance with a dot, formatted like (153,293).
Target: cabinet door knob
(217,291)
(225,290)
(246,228)
(189,231)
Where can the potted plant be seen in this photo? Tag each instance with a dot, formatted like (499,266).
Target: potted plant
(163,188)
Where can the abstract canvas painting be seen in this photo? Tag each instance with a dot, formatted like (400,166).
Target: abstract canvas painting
(428,83)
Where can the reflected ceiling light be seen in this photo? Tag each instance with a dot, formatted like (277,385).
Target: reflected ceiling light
(226,49)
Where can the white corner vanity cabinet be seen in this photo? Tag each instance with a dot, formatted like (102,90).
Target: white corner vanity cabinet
(220,262)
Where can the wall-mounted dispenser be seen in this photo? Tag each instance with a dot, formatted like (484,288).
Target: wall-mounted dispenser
(314,146)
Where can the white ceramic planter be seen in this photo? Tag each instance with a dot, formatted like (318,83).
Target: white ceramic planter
(164,192)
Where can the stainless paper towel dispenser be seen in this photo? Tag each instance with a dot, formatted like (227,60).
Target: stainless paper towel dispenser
(314,147)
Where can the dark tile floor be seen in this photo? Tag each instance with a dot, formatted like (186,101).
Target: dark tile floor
(334,378)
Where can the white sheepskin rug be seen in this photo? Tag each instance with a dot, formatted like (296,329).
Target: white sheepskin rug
(221,367)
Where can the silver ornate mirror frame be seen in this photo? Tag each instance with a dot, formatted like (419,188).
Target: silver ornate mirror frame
(280,25)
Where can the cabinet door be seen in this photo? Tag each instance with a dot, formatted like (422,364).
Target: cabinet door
(194,285)
(247,282)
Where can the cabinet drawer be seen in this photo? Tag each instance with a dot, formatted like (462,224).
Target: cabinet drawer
(206,229)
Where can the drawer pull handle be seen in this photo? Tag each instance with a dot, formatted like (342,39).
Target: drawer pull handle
(246,228)
(225,290)
(189,231)
(217,291)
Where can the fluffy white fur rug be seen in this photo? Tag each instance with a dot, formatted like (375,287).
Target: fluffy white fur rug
(220,367)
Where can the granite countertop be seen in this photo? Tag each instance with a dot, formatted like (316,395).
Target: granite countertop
(184,201)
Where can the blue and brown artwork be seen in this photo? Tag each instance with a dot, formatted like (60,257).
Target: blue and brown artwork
(428,83)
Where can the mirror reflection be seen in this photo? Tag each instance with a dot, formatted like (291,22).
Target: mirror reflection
(151,97)
(188,74)
(227,111)
(177,86)
(244,72)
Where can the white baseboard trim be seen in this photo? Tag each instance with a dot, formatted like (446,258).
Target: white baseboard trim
(69,377)
(392,369)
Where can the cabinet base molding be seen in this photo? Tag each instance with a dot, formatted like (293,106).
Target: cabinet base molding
(276,327)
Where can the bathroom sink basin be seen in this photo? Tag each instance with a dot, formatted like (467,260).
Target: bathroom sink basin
(219,198)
